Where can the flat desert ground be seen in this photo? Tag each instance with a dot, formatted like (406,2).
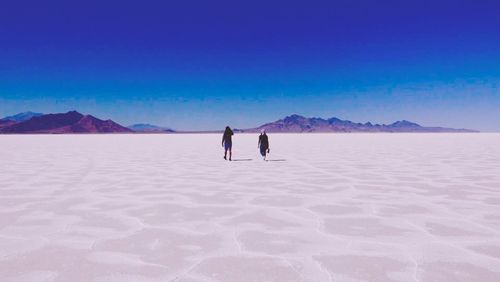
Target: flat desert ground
(326,207)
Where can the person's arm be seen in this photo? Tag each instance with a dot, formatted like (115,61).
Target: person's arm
(258,144)
(223,139)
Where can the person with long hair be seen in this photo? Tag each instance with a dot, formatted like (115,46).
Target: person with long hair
(227,142)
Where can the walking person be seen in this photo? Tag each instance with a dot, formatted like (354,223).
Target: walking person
(227,142)
(263,144)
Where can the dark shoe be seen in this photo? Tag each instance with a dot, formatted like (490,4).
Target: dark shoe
(225,157)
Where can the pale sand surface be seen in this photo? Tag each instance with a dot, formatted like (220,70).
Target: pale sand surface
(342,207)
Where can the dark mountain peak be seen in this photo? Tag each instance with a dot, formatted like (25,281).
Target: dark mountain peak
(334,119)
(73,115)
(44,123)
(69,122)
(338,122)
(293,118)
(404,123)
(91,124)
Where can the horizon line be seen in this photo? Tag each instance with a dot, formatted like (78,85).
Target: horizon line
(249,128)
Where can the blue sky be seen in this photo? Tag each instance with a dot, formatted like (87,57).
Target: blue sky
(205,64)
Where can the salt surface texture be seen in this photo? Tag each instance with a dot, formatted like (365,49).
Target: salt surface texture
(343,207)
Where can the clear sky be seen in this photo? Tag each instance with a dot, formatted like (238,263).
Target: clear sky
(206,64)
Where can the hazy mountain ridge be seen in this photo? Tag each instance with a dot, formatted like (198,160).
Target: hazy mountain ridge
(149,128)
(21,116)
(297,123)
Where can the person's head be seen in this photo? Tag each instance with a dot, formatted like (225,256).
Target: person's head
(228,129)
(263,131)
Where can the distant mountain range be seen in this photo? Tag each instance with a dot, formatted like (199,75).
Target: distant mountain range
(22,116)
(75,122)
(70,122)
(149,128)
(297,123)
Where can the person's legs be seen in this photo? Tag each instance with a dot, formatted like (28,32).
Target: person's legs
(228,147)
(263,152)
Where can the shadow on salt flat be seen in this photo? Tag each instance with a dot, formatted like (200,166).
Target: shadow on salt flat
(247,160)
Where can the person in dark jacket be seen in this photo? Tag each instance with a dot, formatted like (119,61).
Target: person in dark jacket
(227,142)
(263,144)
